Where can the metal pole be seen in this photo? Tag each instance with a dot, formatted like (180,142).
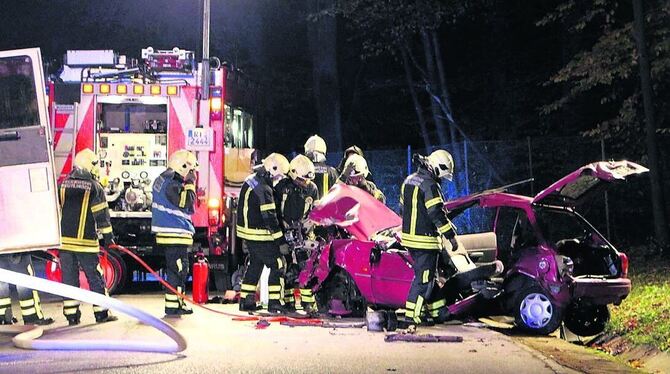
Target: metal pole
(465,162)
(607,203)
(530,166)
(205,49)
(409,159)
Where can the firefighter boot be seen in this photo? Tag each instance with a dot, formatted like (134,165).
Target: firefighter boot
(74,319)
(33,320)
(248,303)
(185,309)
(276,307)
(10,321)
(104,316)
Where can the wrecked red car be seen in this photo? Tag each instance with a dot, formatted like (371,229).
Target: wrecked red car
(558,267)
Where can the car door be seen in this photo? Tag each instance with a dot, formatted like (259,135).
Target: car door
(29,211)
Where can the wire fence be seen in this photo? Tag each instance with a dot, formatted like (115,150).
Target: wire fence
(624,214)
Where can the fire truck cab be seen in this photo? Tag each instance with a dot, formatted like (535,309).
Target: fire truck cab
(134,114)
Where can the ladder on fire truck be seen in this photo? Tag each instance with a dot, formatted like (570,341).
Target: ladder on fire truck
(62,155)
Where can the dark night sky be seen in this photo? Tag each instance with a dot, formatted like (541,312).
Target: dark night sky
(495,61)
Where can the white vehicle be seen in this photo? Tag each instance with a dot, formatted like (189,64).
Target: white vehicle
(29,211)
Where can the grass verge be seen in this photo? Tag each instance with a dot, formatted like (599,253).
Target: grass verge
(644,317)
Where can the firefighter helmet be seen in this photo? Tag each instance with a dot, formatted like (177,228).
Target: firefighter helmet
(301,170)
(89,161)
(276,164)
(441,164)
(183,162)
(357,166)
(354,149)
(315,144)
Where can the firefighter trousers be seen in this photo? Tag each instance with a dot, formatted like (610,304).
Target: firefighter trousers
(176,268)
(29,300)
(422,300)
(70,261)
(264,254)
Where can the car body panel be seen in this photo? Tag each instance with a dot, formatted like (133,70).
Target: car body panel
(354,209)
(575,188)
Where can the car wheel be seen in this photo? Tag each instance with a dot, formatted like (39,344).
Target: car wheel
(586,320)
(341,291)
(534,312)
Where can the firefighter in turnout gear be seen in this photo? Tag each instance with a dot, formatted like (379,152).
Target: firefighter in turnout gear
(84,214)
(258,225)
(424,226)
(173,203)
(355,173)
(324,175)
(294,197)
(29,300)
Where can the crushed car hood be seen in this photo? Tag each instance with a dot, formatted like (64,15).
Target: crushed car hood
(355,210)
(576,187)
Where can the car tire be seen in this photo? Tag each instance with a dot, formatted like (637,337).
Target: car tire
(586,320)
(340,287)
(534,312)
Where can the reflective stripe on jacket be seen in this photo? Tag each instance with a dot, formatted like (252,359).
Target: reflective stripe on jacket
(84,212)
(171,209)
(424,218)
(256,211)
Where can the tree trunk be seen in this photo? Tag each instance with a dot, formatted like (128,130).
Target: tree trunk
(657,200)
(415,97)
(431,85)
(443,89)
(322,35)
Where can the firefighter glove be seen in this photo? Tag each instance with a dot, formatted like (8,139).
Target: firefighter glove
(284,249)
(451,243)
(190,177)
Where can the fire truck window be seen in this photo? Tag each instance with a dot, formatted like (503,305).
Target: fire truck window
(239,128)
(18,99)
(133,118)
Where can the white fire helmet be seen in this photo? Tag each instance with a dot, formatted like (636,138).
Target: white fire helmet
(315,148)
(442,164)
(301,170)
(89,161)
(276,164)
(183,162)
(358,166)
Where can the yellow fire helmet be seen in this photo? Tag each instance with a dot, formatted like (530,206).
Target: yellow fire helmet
(183,162)
(315,144)
(276,164)
(442,164)
(301,169)
(358,166)
(89,161)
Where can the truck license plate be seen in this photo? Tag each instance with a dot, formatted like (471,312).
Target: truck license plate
(200,139)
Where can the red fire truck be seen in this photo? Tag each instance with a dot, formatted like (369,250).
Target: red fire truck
(134,114)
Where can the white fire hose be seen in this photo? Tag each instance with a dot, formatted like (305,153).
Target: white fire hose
(27,335)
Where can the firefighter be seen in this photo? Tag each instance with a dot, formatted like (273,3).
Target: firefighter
(29,300)
(355,173)
(84,214)
(424,225)
(258,226)
(324,175)
(173,204)
(353,150)
(294,197)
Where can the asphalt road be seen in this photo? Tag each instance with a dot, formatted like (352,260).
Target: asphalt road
(218,344)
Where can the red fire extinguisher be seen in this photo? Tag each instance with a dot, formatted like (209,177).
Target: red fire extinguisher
(200,279)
